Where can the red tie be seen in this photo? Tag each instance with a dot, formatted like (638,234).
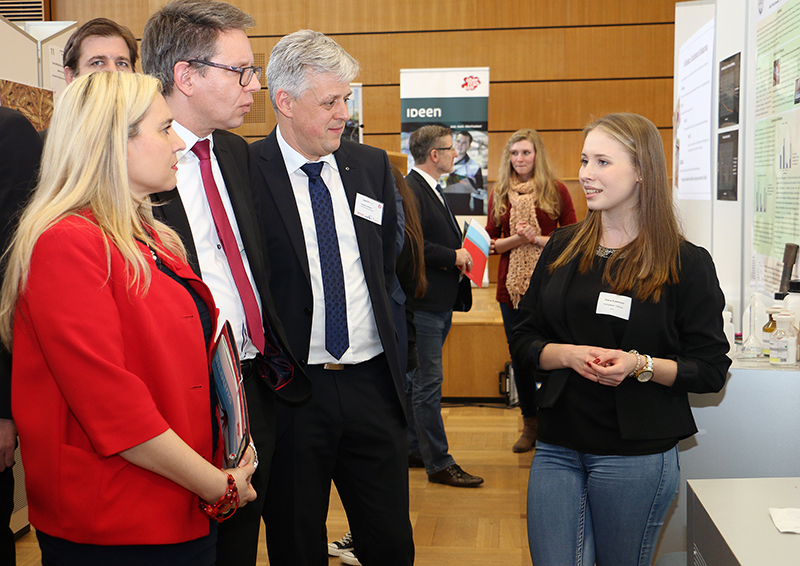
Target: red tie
(230,247)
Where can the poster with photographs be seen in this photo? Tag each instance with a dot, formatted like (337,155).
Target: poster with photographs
(457,98)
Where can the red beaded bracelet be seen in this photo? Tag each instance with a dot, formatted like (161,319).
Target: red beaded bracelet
(225,506)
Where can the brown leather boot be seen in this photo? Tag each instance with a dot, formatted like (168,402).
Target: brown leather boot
(528,438)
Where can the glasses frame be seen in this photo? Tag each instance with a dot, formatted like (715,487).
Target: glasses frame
(443,148)
(254,71)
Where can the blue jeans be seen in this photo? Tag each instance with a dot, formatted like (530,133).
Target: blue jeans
(426,390)
(585,509)
(523,379)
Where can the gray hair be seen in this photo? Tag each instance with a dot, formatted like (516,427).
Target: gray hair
(303,53)
(187,29)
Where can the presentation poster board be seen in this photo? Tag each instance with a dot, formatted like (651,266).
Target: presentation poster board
(459,99)
(776,160)
(694,125)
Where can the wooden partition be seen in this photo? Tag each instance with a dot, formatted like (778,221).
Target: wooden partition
(554,65)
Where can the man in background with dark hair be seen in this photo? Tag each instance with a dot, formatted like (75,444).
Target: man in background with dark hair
(99,45)
(448,289)
(20,152)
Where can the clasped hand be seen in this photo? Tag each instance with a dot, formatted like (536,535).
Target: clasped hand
(526,231)
(607,367)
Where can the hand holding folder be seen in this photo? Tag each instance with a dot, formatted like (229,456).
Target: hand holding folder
(477,242)
(231,402)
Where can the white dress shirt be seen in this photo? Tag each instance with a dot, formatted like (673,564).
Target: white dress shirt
(362,329)
(214,266)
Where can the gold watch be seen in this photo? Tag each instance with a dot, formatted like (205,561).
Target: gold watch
(646,373)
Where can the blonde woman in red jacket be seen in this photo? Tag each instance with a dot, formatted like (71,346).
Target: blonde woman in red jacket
(109,330)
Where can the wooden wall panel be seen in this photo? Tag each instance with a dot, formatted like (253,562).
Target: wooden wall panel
(561,105)
(369,16)
(542,54)
(131,13)
(541,105)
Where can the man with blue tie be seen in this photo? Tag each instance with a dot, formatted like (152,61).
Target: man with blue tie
(448,290)
(330,223)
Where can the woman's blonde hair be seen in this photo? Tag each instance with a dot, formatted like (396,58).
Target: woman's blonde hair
(84,168)
(652,259)
(548,199)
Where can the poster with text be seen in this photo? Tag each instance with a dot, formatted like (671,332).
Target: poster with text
(457,98)
(776,162)
(694,121)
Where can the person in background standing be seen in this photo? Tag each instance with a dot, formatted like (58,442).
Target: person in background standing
(20,152)
(526,205)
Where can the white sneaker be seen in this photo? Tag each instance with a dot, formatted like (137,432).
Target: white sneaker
(349,557)
(342,545)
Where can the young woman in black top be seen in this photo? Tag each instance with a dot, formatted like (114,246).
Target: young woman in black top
(621,321)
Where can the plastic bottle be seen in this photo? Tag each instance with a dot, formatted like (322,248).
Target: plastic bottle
(768,329)
(792,300)
(730,331)
(783,343)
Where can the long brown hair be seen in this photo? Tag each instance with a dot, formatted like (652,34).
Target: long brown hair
(413,232)
(548,199)
(652,259)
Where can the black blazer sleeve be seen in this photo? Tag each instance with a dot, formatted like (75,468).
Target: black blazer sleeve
(20,153)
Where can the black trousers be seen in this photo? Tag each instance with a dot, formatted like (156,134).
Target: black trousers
(351,432)
(7,549)
(237,539)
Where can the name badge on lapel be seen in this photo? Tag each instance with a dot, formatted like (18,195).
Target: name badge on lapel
(369,208)
(614,305)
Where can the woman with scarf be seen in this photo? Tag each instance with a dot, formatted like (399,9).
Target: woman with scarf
(526,205)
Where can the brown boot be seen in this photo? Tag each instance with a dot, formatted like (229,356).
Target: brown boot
(528,438)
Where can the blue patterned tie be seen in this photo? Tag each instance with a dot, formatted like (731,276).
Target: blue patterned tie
(336,337)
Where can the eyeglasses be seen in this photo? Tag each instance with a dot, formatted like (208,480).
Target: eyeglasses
(444,148)
(245,73)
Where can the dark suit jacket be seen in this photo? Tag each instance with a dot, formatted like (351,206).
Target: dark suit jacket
(685,326)
(442,239)
(20,153)
(234,163)
(364,170)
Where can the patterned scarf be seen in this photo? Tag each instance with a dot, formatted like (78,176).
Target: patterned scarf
(522,197)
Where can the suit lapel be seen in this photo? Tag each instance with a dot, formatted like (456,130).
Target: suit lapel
(350,174)
(273,169)
(170,211)
(436,203)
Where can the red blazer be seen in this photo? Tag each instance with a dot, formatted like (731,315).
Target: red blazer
(98,369)
(547,225)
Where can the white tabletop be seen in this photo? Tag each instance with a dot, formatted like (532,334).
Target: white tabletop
(740,510)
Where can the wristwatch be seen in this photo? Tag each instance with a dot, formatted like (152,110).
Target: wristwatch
(646,373)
